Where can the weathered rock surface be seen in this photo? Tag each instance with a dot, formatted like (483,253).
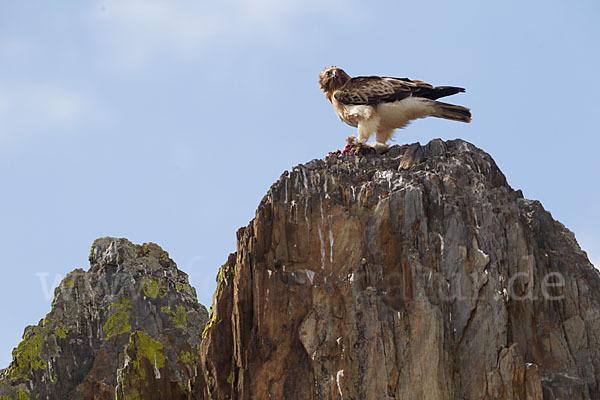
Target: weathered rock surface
(128,328)
(416,274)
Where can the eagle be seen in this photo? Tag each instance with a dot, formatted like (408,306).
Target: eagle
(376,104)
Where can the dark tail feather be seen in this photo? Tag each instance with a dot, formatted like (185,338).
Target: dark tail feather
(437,92)
(450,111)
(443,91)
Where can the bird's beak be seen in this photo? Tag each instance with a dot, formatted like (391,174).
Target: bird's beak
(335,74)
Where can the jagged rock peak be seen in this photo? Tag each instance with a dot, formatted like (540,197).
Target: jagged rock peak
(417,273)
(110,252)
(129,327)
(383,171)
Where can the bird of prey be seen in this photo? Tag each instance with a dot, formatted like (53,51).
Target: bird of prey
(383,104)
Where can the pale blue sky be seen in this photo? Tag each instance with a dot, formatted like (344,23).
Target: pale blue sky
(167,121)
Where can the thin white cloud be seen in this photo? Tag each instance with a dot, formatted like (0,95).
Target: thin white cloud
(136,32)
(133,31)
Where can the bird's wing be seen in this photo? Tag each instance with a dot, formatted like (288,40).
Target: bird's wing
(375,89)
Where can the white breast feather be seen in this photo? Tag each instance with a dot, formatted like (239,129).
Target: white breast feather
(353,114)
(360,111)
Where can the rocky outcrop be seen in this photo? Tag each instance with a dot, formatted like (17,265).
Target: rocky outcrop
(128,328)
(416,274)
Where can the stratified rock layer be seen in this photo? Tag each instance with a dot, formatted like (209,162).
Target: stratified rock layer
(416,274)
(129,328)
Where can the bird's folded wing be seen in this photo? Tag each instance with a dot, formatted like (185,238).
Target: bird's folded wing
(374,90)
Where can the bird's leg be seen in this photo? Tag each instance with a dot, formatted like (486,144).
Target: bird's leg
(381,137)
(362,137)
(365,130)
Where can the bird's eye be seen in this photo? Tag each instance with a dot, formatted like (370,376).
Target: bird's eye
(329,73)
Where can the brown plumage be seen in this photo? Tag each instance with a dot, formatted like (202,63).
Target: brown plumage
(382,104)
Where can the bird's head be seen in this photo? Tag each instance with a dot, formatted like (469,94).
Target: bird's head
(331,79)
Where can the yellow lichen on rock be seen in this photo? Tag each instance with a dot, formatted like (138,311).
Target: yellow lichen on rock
(186,357)
(182,287)
(177,317)
(21,395)
(154,288)
(26,357)
(134,383)
(118,322)
(148,348)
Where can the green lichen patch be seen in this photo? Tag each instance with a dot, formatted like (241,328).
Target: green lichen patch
(21,395)
(61,331)
(145,249)
(135,384)
(186,357)
(26,357)
(155,287)
(55,326)
(182,287)
(92,256)
(177,317)
(146,347)
(210,382)
(212,319)
(68,283)
(180,317)
(118,322)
